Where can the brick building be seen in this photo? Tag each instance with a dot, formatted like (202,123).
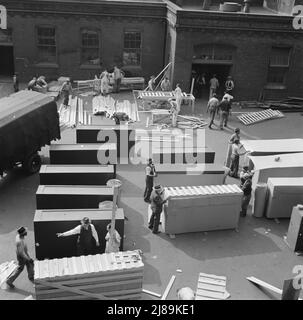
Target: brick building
(260,49)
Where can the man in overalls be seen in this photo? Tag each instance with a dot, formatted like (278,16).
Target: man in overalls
(150,173)
(87,237)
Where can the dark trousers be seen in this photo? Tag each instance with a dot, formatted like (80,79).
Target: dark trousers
(117,85)
(234,166)
(66,98)
(245,203)
(21,264)
(212,117)
(85,250)
(155,219)
(148,188)
(223,119)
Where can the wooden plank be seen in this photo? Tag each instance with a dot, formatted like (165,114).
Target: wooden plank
(211,294)
(212,276)
(264,285)
(212,281)
(166,292)
(210,287)
(152,293)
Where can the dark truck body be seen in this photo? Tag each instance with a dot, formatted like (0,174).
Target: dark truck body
(28,121)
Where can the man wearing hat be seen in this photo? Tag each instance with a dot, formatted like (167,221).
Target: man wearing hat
(157,201)
(23,259)
(229,85)
(246,186)
(66,91)
(87,237)
(150,173)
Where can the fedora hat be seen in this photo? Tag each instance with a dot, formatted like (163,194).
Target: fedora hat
(22,231)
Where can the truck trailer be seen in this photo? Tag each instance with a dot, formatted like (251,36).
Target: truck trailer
(28,121)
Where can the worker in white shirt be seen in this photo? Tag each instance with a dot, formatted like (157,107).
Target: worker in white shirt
(118,75)
(151,83)
(214,85)
(87,237)
(165,84)
(114,245)
(178,96)
(174,111)
(235,158)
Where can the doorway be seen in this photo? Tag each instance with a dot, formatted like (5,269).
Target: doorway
(222,71)
(7,67)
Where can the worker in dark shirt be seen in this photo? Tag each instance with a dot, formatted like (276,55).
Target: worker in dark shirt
(225,110)
(150,173)
(157,201)
(246,188)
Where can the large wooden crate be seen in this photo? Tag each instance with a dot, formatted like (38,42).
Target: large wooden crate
(83,153)
(47,223)
(175,175)
(202,208)
(106,276)
(72,197)
(76,174)
(186,155)
(123,136)
(283,194)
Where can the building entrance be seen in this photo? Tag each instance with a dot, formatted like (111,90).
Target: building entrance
(7,60)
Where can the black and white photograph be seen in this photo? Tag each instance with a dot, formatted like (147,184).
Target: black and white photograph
(151,151)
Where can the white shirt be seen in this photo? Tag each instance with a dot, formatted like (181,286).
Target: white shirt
(115,243)
(228,96)
(77,230)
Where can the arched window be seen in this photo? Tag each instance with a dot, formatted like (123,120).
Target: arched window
(90,47)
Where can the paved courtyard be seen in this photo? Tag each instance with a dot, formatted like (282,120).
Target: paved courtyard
(256,250)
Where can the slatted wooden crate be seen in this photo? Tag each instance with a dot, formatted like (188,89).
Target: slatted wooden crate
(83,153)
(211,287)
(76,174)
(106,276)
(175,175)
(202,208)
(123,136)
(72,197)
(6,269)
(259,116)
(47,223)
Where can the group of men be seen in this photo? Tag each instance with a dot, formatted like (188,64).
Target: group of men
(87,241)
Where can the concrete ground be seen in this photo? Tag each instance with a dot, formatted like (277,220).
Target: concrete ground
(256,250)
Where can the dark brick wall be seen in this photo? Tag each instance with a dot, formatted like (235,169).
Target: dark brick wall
(250,60)
(69,39)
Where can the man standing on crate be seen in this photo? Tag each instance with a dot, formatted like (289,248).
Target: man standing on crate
(87,237)
(66,91)
(23,259)
(150,173)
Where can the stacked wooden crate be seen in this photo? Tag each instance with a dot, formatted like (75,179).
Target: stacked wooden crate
(202,208)
(106,276)
(68,116)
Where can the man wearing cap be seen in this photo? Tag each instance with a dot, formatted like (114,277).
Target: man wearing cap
(150,173)
(157,201)
(229,85)
(23,259)
(225,108)
(66,91)
(87,235)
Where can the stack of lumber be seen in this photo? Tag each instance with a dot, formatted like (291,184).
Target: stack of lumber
(84,117)
(291,104)
(68,116)
(103,104)
(259,116)
(202,208)
(133,83)
(102,277)
(129,108)
(211,287)
(6,269)
(190,122)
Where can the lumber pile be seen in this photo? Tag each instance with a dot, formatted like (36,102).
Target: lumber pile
(129,108)
(291,104)
(106,276)
(68,116)
(202,208)
(259,116)
(103,104)
(6,269)
(190,122)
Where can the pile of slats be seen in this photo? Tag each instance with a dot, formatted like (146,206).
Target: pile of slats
(198,191)
(133,83)
(130,109)
(211,287)
(68,116)
(102,104)
(189,122)
(106,276)
(84,117)
(259,116)
(6,270)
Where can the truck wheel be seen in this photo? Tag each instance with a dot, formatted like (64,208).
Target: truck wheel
(32,164)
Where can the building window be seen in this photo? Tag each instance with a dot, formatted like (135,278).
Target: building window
(132,48)
(90,47)
(212,53)
(46,37)
(278,65)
